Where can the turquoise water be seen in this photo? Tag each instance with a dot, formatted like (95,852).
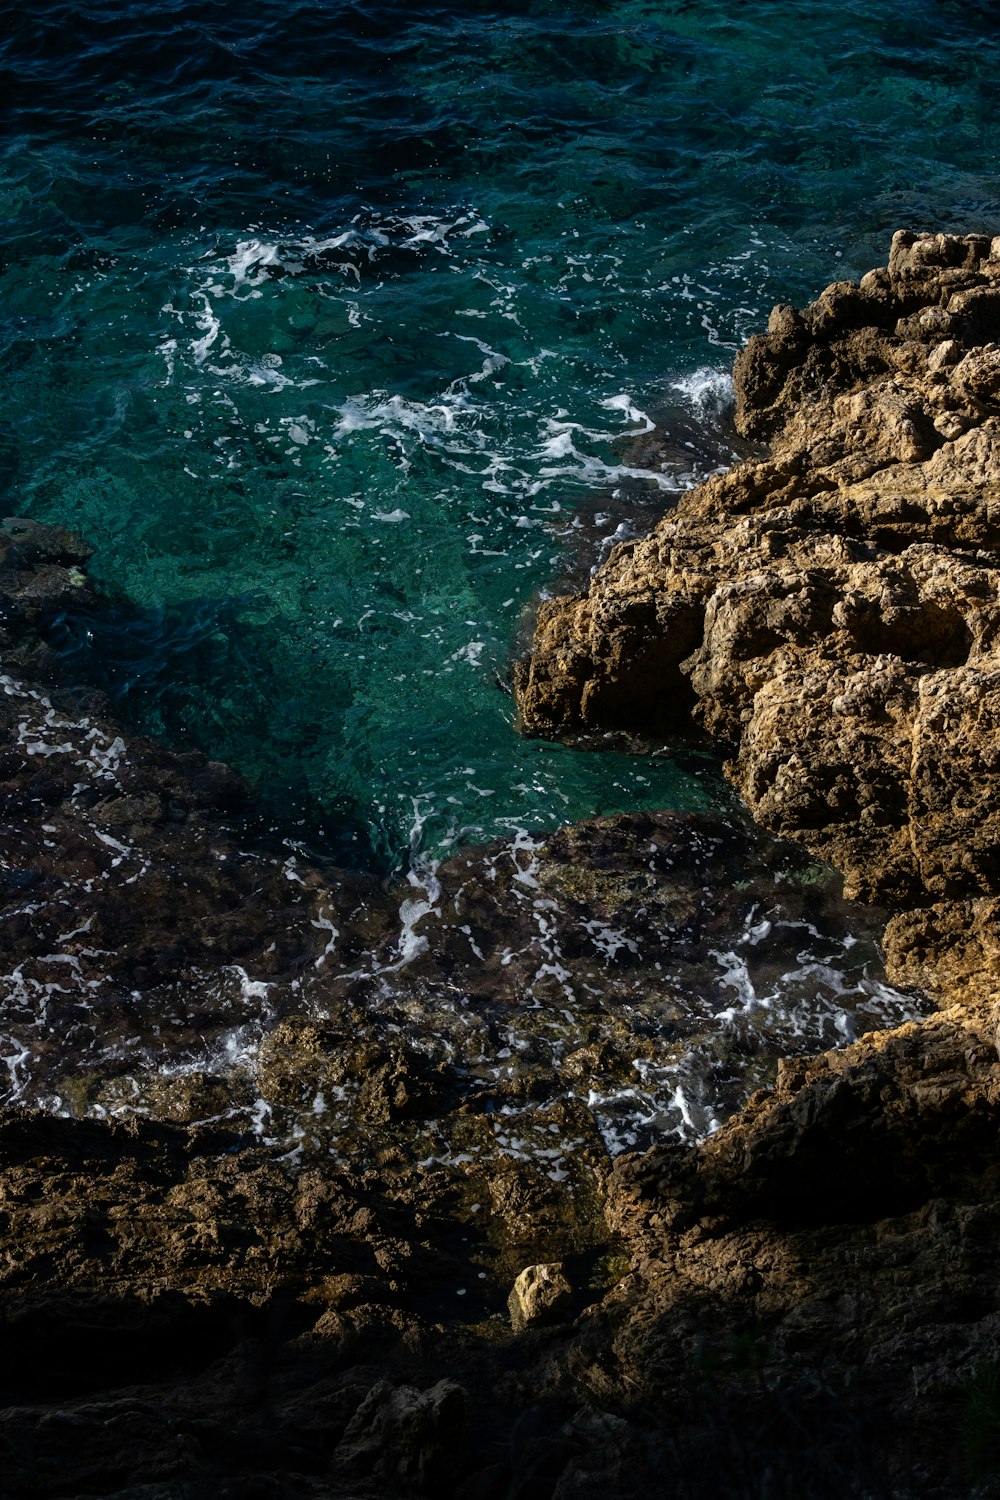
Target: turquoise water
(323,322)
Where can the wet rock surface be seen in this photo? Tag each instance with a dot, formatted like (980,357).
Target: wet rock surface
(304,1128)
(825,1262)
(550,999)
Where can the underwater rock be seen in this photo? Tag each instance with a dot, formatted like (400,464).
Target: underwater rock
(543,1001)
(820,1265)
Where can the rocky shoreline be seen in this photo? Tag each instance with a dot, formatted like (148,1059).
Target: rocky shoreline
(828,612)
(265,1245)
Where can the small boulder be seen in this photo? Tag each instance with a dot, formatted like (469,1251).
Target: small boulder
(404,1434)
(540,1295)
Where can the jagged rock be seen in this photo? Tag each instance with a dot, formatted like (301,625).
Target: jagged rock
(540,1295)
(840,599)
(194,973)
(833,608)
(408,1435)
(838,1230)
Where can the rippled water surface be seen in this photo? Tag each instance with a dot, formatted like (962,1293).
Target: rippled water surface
(323,322)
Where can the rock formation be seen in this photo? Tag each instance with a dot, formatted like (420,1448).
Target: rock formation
(830,609)
(301,1130)
(827,610)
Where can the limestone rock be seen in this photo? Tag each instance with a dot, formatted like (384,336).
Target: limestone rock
(812,1291)
(844,589)
(540,1295)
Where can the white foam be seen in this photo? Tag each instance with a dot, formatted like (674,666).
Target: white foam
(706,391)
(562,458)
(471,653)
(633,413)
(251,989)
(421,877)
(211,330)
(380,412)
(610,941)
(324,923)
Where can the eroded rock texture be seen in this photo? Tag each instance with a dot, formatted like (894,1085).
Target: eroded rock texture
(532,1002)
(830,610)
(821,1271)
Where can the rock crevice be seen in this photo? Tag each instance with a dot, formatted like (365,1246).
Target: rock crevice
(805,1303)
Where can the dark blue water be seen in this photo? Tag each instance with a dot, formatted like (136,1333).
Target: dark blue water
(324,323)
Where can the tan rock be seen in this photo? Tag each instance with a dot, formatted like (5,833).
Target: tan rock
(832,610)
(540,1295)
(846,600)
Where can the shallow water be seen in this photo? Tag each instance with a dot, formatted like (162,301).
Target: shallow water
(547,1000)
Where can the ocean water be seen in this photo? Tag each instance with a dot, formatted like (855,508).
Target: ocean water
(325,323)
(331,327)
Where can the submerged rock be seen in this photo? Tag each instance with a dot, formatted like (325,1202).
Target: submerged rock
(540,1001)
(820,1269)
